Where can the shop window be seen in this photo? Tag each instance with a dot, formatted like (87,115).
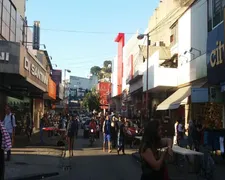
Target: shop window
(6,17)
(12,36)
(5,31)
(6,5)
(215,13)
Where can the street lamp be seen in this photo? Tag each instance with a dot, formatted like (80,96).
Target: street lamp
(140,37)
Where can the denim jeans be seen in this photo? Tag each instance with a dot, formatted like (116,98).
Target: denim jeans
(9,151)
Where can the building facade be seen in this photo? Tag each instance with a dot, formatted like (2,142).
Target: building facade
(24,77)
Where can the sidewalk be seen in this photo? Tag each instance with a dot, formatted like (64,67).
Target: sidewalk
(175,174)
(33,159)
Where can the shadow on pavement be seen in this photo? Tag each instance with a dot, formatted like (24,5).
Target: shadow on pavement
(98,166)
(32,165)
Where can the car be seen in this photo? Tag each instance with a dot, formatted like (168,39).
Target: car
(86,129)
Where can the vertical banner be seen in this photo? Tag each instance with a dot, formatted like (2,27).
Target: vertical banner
(36,35)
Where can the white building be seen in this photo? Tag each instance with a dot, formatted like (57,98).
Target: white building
(188,48)
(83,83)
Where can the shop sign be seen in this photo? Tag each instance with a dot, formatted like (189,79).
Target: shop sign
(51,89)
(4,56)
(199,95)
(215,55)
(35,71)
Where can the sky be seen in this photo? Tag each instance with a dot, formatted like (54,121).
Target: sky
(80,34)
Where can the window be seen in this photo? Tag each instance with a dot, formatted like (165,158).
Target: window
(215,13)
(174,33)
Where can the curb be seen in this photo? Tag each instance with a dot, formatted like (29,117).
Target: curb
(35,177)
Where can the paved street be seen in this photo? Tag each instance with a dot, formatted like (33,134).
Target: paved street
(93,164)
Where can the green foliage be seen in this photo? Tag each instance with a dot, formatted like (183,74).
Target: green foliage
(91,101)
(95,70)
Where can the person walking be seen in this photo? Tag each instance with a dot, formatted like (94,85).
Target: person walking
(5,145)
(10,125)
(121,136)
(106,129)
(29,126)
(114,130)
(71,129)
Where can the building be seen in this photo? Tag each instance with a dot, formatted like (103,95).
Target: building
(20,6)
(78,87)
(24,78)
(216,61)
(187,99)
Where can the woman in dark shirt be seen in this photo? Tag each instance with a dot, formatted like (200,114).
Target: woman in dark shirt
(153,162)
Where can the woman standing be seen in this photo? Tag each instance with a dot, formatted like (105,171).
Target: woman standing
(152,160)
(5,145)
(71,130)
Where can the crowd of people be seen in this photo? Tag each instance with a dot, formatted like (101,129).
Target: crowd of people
(114,134)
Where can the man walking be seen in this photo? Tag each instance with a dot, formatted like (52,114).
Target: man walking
(121,136)
(10,125)
(106,129)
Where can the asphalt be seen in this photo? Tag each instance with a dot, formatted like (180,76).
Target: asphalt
(91,163)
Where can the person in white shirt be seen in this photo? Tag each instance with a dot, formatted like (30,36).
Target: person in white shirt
(10,125)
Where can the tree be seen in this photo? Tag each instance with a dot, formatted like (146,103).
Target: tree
(91,101)
(107,63)
(95,70)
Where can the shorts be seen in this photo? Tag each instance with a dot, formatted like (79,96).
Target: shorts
(107,138)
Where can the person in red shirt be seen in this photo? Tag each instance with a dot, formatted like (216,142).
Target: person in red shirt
(93,125)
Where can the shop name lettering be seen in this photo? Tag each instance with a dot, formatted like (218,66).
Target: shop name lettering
(217,55)
(4,56)
(35,71)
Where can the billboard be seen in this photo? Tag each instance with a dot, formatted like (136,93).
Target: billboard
(57,76)
(36,35)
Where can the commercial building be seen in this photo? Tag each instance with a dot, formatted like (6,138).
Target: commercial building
(25,78)
(78,87)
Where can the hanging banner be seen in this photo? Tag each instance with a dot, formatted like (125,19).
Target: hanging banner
(36,35)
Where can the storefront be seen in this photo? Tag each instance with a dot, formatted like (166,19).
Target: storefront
(216,77)
(22,80)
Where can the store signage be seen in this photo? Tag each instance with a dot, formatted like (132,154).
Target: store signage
(4,56)
(217,55)
(35,71)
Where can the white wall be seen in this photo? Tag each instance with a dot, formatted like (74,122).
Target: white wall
(192,32)
(114,76)
(159,76)
(131,48)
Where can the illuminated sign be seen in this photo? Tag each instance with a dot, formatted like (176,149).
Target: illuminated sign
(217,55)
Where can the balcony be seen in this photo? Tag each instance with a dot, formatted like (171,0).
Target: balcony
(162,74)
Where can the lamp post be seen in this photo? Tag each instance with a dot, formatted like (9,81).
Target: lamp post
(65,71)
(140,37)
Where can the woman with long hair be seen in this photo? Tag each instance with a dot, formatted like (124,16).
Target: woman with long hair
(152,159)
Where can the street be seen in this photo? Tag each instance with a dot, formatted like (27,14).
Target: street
(91,163)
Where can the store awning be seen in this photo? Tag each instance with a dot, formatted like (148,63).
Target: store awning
(180,97)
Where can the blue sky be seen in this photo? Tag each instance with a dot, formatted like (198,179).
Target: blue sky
(79,51)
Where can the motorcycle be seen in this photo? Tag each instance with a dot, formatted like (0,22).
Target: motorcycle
(91,137)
